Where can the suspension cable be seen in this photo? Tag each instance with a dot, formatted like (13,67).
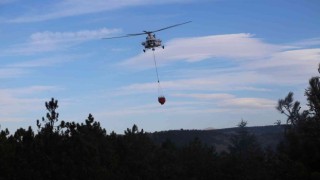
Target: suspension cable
(160,93)
(155,64)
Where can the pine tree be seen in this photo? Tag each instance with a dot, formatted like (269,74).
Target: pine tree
(302,136)
(51,117)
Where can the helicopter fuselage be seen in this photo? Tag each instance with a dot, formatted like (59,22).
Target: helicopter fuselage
(151,42)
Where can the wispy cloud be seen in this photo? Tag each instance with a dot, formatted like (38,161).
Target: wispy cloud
(6,1)
(184,84)
(307,42)
(69,8)
(44,62)
(174,107)
(254,62)
(21,100)
(232,81)
(249,103)
(299,57)
(29,90)
(185,104)
(206,96)
(231,46)
(230,101)
(51,41)
(83,35)
(287,67)
(12,72)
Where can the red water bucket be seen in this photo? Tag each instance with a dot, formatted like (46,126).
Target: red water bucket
(161,100)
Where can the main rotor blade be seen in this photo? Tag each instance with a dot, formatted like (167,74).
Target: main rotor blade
(172,26)
(147,32)
(116,37)
(137,34)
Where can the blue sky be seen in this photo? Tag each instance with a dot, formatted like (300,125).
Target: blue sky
(233,62)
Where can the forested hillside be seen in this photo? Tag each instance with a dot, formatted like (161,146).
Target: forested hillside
(267,136)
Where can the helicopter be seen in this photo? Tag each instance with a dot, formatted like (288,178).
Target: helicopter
(151,41)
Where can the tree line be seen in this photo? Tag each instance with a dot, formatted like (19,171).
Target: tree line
(70,150)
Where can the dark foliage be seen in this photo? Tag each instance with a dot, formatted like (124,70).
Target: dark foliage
(302,145)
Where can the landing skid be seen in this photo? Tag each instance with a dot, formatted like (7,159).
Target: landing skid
(153,49)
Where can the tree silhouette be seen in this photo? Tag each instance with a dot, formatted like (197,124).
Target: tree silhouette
(302,143)
(246,156)
(51,117)
(243,143)
(313,96)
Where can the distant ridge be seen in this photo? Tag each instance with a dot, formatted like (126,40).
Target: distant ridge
(267,136)
(209,128)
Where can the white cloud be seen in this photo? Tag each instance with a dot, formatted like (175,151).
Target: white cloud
(69,8)
(307,42)
(83,35)
(19,101)
(171,107)
(205,96)
(22,68)
(230,101)
(230,46)
(44,62)
(11,72)
(29,90)
(174,85)
(51,41)
(119,49)
(6,1)
(185,104)
(287,67)
(251,103)
(299,57)
(228,81)
(254,62)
